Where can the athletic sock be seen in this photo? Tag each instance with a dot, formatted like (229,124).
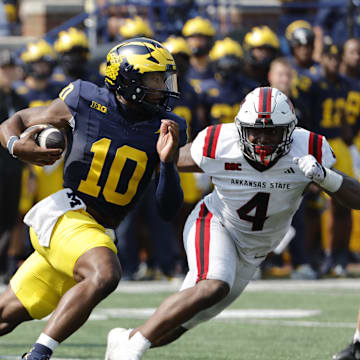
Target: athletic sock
(138,344)
(47,341)
(356,336)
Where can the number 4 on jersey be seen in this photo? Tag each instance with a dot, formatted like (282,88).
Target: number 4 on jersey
(260,203)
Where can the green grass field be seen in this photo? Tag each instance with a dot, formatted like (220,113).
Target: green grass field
(272,320)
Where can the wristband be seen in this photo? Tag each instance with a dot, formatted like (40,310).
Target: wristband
(332,181)
(10,145)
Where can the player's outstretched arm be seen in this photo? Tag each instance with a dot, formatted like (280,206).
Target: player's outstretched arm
(169,195)
(56,114)
(348,194)
(185,161)
(338,185)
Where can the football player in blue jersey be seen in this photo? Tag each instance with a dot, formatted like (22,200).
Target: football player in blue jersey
(261,46)
(301,39)
(222,95)
(199,33)
(38,61)
(72,48)
(116,138)
(349,69)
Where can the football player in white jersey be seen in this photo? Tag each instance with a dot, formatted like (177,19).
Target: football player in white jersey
(260,166)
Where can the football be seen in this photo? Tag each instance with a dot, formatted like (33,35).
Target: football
(48,138)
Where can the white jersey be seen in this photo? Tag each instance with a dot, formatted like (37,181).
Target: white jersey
(256,207)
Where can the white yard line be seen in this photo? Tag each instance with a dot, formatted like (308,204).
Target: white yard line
(144,313)
(296,323)
(134,287)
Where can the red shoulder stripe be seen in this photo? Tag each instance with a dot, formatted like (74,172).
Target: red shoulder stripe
(211,139)
(315,146)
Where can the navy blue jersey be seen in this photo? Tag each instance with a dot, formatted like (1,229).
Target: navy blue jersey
(35,97)
(186,108)
(327,103)
(196,77)
(353,103)
(303,77)
(222,100)
(110,160)
(314,69)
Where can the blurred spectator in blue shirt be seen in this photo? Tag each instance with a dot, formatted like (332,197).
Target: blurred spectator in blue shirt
(340,21)
(4,24)
(12,15)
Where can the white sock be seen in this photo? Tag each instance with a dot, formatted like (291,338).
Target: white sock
(47,341)
(139,343)
(356,336)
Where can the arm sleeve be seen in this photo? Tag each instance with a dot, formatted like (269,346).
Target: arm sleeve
(169,195)
(182,132)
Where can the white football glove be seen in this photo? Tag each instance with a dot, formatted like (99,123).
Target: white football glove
(311,168)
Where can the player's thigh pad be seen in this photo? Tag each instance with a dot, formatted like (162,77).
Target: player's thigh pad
(45,277)
(39,286)
(210,251)
(75,233)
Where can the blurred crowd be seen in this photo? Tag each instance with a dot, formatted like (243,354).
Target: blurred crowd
(315,61)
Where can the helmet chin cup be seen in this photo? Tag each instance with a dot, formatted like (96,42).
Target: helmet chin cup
(265,154)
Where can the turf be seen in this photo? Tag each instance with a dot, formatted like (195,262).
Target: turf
(316,337)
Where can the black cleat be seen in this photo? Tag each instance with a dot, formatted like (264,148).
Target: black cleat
(42,357)
(352,352)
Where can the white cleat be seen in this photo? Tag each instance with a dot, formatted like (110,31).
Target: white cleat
(117,340)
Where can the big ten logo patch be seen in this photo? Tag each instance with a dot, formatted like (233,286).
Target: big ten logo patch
(98,107)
